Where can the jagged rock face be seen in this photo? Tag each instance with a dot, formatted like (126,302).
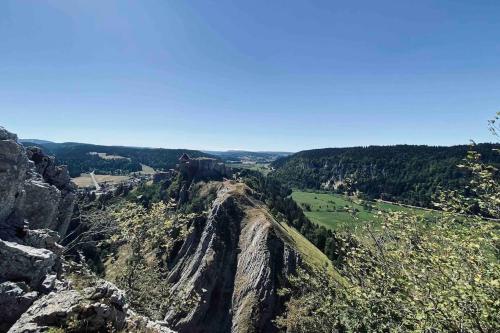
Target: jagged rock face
(235,263)
(32,188)
(58,177)
(43,239)
(53,174)
(206,266)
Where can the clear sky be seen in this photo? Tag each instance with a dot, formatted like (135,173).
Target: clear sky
(258,75)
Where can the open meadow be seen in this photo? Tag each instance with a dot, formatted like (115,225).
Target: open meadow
(341,212)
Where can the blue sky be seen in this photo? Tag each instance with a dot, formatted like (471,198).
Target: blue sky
(257,75)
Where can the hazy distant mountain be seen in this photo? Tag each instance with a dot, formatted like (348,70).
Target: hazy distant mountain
(240,156)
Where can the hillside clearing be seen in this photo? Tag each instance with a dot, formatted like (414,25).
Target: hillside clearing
(106,156)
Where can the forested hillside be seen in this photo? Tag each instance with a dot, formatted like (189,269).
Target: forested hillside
(79,158)
(403,173)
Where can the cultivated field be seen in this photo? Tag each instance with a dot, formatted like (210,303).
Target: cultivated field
(339,212)
(86,181)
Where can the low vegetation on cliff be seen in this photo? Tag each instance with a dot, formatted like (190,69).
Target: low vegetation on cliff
(412,273)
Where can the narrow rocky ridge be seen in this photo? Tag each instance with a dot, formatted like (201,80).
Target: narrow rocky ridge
(236,263)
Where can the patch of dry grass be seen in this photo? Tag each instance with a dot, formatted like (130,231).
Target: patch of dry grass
(86,181)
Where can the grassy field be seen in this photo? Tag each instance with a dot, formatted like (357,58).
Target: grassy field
(339,212)
(147,170)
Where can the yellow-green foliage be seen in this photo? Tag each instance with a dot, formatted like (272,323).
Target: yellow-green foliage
(156,228)
(55,330)
(419,278)
(146,236)
(416,274)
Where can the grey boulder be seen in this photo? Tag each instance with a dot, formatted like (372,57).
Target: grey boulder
(25,263)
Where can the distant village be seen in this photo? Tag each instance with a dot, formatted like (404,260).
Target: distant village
(98,185)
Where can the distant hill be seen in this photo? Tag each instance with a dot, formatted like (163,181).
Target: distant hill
(83,157)
(35,141)
(240,156)
(403,173)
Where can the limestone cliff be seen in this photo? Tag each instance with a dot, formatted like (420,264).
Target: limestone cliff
(235,262)
(36,292)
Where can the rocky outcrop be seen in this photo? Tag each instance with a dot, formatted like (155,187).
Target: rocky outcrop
(49,311)
(57,176)
(260,266)
(40,206)
(25,273)
(14,166)
(15,299)
(235,264)
(25,263)
(43,238)
(28,256)
(45,165)
(99,308)
(32,189)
